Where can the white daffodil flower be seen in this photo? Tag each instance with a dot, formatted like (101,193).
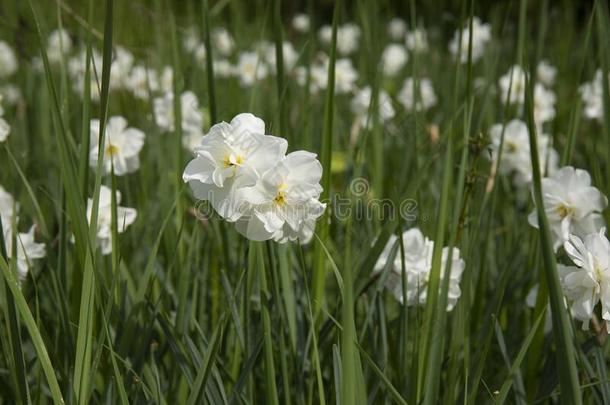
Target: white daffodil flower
(8,60)
(592,94)
(232,156)
(417,40)
(481,35)
(121,147)
(546,73)
(393,59)
(26,247)
(192,117)
(142,82)
(300,23)
(59,44)
(361,105)
(5,128)
(289,54)
(418,264)
(514,80)
(348,37)
(427,96)
(588,283)
(516,157)
(7,208)
(125,217)
(397,29)
(223,41)
(285,200)
(250,68)
(571,204)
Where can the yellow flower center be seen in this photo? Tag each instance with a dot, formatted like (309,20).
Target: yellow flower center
(564,210)
(112,150)
(232,161)
(280,197)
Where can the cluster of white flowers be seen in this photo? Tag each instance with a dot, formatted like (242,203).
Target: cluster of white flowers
(410,99)
(345,75)
(26,248)
(5,128)
(512,86)
(592,94)
(125,217)
(249,180)
(417,261)
(481,35)
(516,158)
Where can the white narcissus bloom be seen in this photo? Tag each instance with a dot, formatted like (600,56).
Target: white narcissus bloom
(546,73)
(425,100)
(121,147)
(11,93)
(59,44)
(393,59)
(516,157)
(544,104)
(232,156)
(125,217)
(288,52)
(571,204)
(122,63)
(5,128)
(223,41)
(223,68)
(300,23)
(514,80)
(417,259)
(592,94)
(589,282)
(142,82)
(8,207)
(26,247)
(397,29)
(250,68)
(8,60)
(481,35)
(284,202)
(319,74)
(192,117)
(361,105)
(417,40)
(345,76)
(348,37)
(77,66)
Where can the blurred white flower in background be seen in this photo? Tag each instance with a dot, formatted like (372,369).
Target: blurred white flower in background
(289,54)
(417,40)
(59,44)
(513,80)
(424,101)
(361,105)
(223,41)
(125,217)
(284,200)
(77,66)
(571,204)
(250,68)
(345,76)
(516,157)
(142,82)
(592,94)
(8,60)
(397,29)
(588,283)
(26,247)
(418,264)
(544,104)
(546,73)
(300,23)
(192,117)
(122,146)
(120,70)
(5,128)
(348,37)
(223,68)
(481,35)
(393,59)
